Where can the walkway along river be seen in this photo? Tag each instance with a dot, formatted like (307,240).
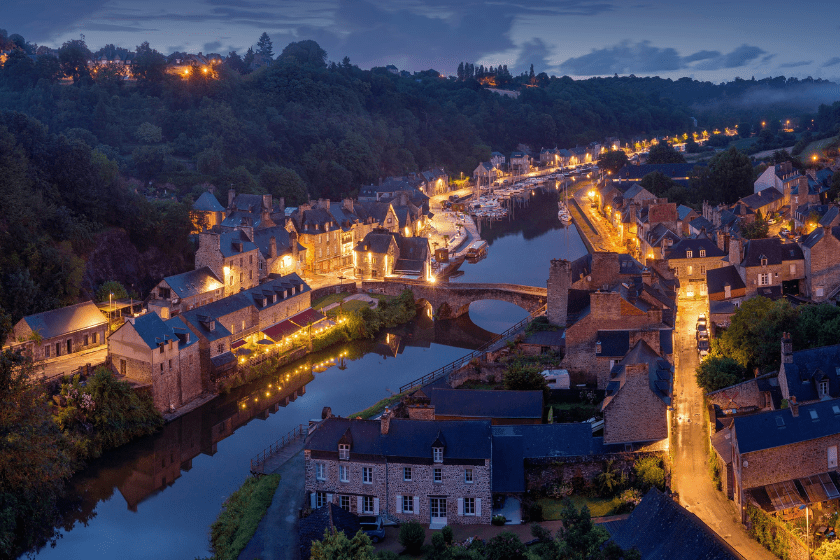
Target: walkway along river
(156,498)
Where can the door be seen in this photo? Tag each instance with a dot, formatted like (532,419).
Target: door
(438,511)
(69,346)
(122,367)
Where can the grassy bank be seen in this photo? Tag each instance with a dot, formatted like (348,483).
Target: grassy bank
(375,409)
(240,516)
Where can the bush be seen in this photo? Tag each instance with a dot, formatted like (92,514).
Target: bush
(506,546)
(649,472)
(498,520)
(535,512)
(412,536)
(448,534)
(387,555)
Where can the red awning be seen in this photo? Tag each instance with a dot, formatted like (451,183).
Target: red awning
(237,344)
(293,324)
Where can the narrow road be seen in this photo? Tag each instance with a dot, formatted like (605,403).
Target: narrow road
(691,478)
(607,236)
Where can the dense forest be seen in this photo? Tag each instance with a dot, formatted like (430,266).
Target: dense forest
(84,151)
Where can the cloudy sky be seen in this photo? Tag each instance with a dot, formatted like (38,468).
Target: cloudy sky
(711,40)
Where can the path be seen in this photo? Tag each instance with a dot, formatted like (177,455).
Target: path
(605,236)
(690,478)
(63,365)
(276,537)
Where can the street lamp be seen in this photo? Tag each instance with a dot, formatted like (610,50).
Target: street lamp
(807,530)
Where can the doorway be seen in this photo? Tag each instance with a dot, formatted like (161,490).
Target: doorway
(437,507)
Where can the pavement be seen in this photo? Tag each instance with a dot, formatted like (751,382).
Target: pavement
(276,537)
(690,476)
(605,235)
(63,365)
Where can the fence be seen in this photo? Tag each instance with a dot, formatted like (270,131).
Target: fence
(258,462)
(493,344)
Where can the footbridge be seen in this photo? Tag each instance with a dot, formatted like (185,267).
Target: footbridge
(451,300)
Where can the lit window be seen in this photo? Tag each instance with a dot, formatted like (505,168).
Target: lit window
(320,471)
(764,279)
(367,475)
(438,475)
(468,476)
(688,254)
(702,252)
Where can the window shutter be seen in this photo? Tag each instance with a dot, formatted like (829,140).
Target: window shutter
(376,506)
(399,503)
(478,507)
(460,506)
(359,504)
(416,505)
(312,500)
(329,498)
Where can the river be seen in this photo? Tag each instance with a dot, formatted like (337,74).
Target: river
(156,497)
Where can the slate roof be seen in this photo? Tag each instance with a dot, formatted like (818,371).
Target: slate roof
(230,241)
(312,527)
(636,190)
(680,249)
(377,241)
(406,438)
(660,373)
(508,463)
(811,366)
(185,336)
(58,322)
(614,344)
(672,170)
(153,330)
(262,239)
(313,220)
(661,529)
(762,198)
(547,338)
(701,223)
(718,278)
(659,233)
(487,404)
(773,249)
(776,428)
(194,282)
(207,203)
(683,211)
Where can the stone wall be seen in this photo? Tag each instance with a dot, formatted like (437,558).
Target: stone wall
(354,488)
(542,474)
(822,268)
(738,396)
(482,373)
(559,280)
(192,382)
(635,413)
(345,288)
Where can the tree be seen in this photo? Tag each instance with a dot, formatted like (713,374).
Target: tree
(728,177)
(264,46)
(523,378)
(834,190)
(412,536)
(754,333)
(744,129)
(650,473)
(283,182)
(235,62)
(613,160)
(664,153)
(717,372)
(817,325)
(828,550)
(336,546)
(148,133)
(756,230)
(73,57)
(111,289)
(579,538)
(658,183)
(305,52)
(506,546)
(149,67)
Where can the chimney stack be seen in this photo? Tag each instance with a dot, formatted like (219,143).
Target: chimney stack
(794,406)
(385,422)
(787,349)
(231,196)
(272,247)
(559,281)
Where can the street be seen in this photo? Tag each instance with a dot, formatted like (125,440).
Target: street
(690,476)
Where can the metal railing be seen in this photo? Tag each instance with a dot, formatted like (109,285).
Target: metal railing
(493,344)
(258,462)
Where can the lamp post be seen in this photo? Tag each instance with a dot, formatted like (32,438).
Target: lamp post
(110,310)
(807,530)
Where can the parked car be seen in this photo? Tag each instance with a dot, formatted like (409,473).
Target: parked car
(372,526)
(701,326)
(703,346)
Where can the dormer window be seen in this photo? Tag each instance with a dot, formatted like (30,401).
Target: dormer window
(823,388)
(702,253)
(343,451)
(437,454)
(689,254)
(763,261)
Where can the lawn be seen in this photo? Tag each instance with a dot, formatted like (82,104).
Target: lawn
(598,507)
(348,306)
(326,300)
(573,412)
(815,148)
(240,515)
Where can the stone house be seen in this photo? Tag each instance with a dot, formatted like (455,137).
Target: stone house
(430,471)
(690,258)
(809,375)
(726,290)
(497,160)
(62,331)
(433,181)
(383,253)
(185,291)
(549,157)
(486,173)
(782,177)
(638,398)
(520,162)
(767,201)
(498,407)
(770,266)
(784,459)
(206,213)
(821,251)
(279,251)
(811,216)
(654,243)
(232,257)
(319,232)
(252,210)
(163,355)
(685,215)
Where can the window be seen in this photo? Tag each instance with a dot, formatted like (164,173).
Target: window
(320,471)
(763,261)
(241,277)
(702,252)
(344,473)
(690,270)
(240,262)
(764,280)
(437,454)
(320,499)
(367,475)
(792,273)
(343,451)
(250,259)
(161,367)
(823,388)
(161,348)
(250,275)
(170,364)
(221,347)
(86,340)
(468,476)
(344,502)
(47,351)
(95,337)
(689,254)
(727,291)
(832,457)
(819,294)
(469,506)
(231,280)
(367,504)
(702,269)
(407,473)
(408,504)
(438,475)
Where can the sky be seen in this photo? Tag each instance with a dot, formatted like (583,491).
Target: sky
(714,40)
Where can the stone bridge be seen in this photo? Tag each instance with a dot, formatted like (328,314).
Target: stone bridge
(451,300)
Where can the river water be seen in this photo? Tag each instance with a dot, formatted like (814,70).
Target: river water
(156,497)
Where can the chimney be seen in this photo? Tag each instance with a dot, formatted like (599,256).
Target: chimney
(559,281)
(324,203)
(266,203)
(794,406)
(272,247)
(787,349)
(231,196)
(326,412)
(647,276)
(348,204)
(735,251)
(385,422)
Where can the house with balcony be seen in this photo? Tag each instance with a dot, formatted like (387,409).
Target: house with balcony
(435,472)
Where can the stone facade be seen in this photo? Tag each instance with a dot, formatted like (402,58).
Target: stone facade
(559,279)
(237,267)
(61,331)
(743,395)
(635,413)
(822,271)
